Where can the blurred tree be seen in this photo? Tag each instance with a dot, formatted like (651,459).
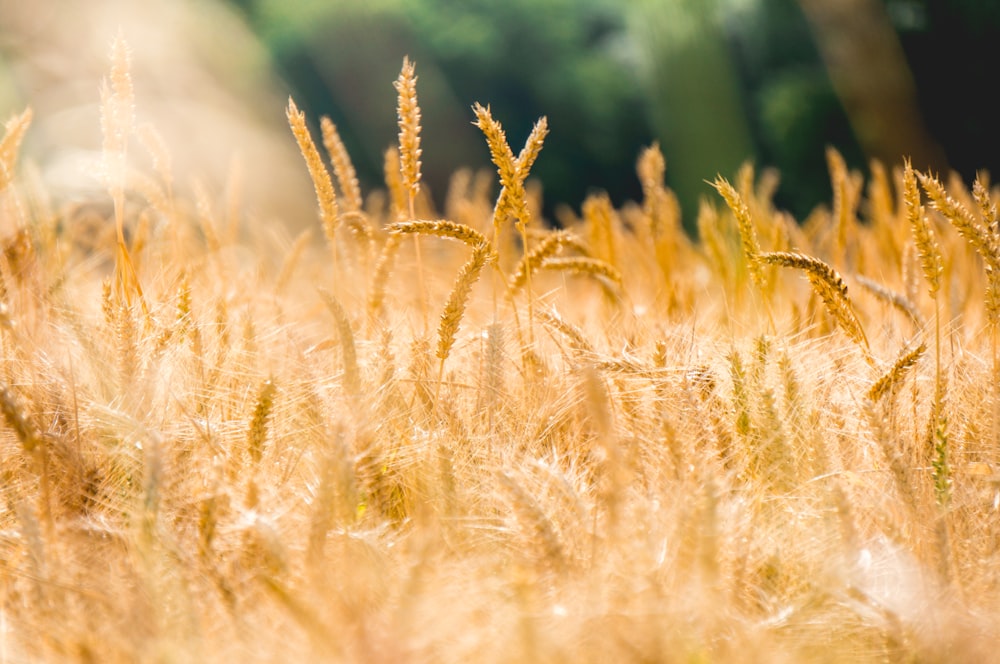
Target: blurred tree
(715,81)
(566,59)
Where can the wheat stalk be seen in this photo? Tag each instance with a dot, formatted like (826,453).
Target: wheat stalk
(830,286)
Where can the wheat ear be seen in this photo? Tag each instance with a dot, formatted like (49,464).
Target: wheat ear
(830,286)
(897,300)
(989,211)
(890,380)
(440,228)
(14,131)
(382,270)
(325,195)
(962,219)
(534,518)
(118,125)
(513,200)
(257,432)
(408,117)
(531,261)
(343,168)
(454,309)
(584,265)
(577,341)
(744,222)
(923,234)
(352,376)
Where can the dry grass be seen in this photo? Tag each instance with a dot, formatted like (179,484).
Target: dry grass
(691,463)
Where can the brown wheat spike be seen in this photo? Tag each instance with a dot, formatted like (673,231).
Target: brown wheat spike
(18,420)
(962,219)
(292,260)
(441,228)
(343,168)
(531,515)
(890,380)
(923,235)
(584,265)
(830,287)
(988,209)
(394,183)
(880,196)
(156,146)
(548,246)
(532,146)
(748,234)
(408,112)
(599,215)
(897,300)
(651,168)
(454,309)
(14,130)
(257,432)
(118,125)
(511,201)
(325,195)
(843,198)
(352,377)
(382,269)
(575,336)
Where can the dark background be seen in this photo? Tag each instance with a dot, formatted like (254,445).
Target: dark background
(716,82)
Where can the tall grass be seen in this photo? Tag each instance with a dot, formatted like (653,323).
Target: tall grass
(624,446)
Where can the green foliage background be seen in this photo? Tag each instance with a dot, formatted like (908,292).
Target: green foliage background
(714,81)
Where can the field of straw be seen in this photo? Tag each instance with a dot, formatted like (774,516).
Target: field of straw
(458,435)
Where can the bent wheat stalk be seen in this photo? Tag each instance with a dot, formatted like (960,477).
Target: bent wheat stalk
(441,228)
(830,286)
(454,309)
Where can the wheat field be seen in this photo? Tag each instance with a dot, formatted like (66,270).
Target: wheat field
(461,435)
